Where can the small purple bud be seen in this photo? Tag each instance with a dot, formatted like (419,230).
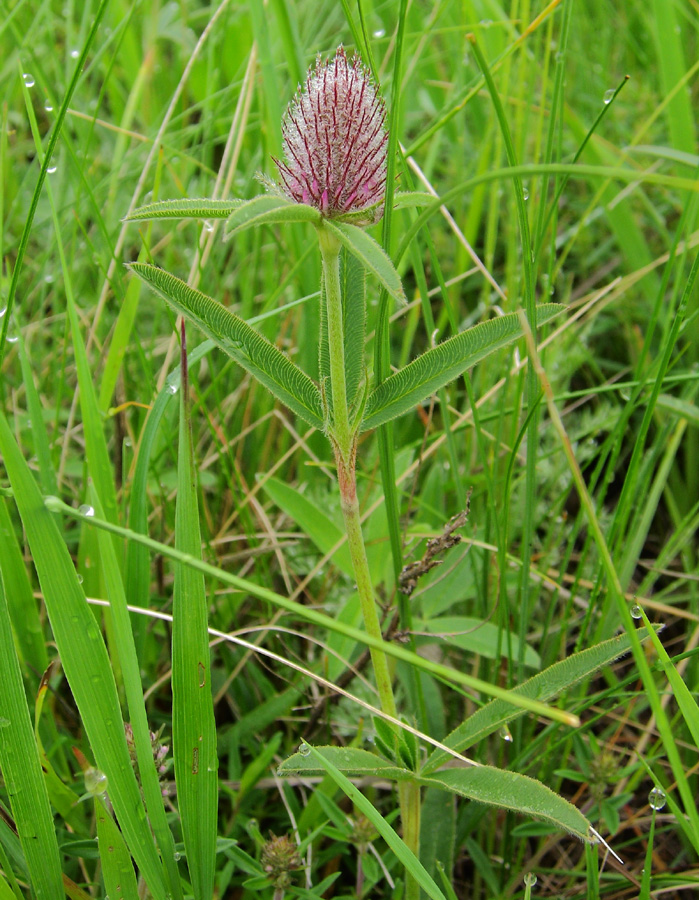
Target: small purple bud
(334,142)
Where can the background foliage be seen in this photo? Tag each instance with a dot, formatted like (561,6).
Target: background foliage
(184,100)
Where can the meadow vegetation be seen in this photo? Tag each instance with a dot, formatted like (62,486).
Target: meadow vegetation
(529,527)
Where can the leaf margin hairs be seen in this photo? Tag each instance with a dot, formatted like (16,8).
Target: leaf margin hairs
(253,352)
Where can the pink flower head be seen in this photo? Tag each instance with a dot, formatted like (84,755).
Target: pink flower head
(335,142)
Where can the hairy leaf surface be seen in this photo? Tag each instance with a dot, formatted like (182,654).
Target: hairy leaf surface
(254,353)
(547,684)
(185,208)
(369,254)
(510,790)
(405,389)
(268,209)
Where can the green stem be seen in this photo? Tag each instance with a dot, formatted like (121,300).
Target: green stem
(355,540)
(344,441)
(340,428)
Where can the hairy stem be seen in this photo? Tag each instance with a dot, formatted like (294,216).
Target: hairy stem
(340,427)
(355,540)
(344,442)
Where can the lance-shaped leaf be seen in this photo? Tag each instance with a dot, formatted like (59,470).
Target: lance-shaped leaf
(268,209)
(510,790)
(405,389)
(543,686)
(351,761)
(353,284)
(370,254)
(254,353)
(185,208)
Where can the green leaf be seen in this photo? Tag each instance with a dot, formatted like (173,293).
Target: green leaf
(21,769)
(406,199)
(268,209)
(547,684)
(351,760)
(405,856)
(193,725)
(510,790)
(353,288)
(353,281)
(475,636)
(370,254)
(410,386)
(117,868)
(185,209)
(21,605)
(123,641)
(84,659)
(254,353)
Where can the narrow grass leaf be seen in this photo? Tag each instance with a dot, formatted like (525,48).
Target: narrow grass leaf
(21,605)
(85,661)
(195,208)
(410,386)
(370,254)
(512,791)
(544,686)
(133,688)
(22,775)
(405,856)
(268,209)
(117,868)
(193,725)
(683,696)
(254,353)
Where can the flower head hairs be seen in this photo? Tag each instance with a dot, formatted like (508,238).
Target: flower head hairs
(334,142)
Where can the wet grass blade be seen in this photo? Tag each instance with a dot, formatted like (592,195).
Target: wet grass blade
(85,660)
(193,726)
(21,769)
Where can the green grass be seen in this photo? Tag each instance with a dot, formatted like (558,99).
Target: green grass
(580,471)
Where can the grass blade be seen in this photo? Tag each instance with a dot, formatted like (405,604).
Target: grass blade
(193,726)
(21,769)
(85,661)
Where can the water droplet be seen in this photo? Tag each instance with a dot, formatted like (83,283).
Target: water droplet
(52,169)
(12,338)
(208,225)
(48,278)
(486,23)
(304,749)
(656,798)
(608,96)
(172,388)
(379,33)
(53,504)
(525,193)
(48,106)
(28,79)
(86,510)
(177,856)
(530,879)
(636,611)
(505,734)
(3,311)
(74,54)
(95,781)
(80,578)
